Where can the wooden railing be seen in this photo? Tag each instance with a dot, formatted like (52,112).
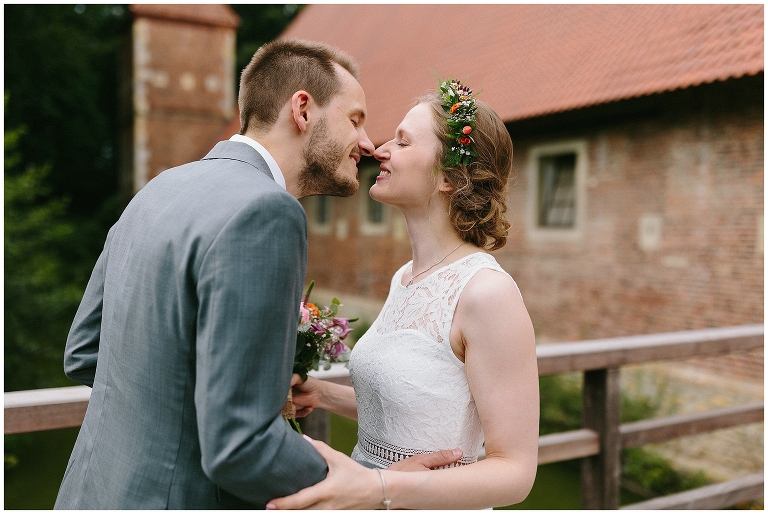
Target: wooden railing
(598,443)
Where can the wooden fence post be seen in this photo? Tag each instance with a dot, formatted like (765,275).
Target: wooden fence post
(600,474)
(317,425)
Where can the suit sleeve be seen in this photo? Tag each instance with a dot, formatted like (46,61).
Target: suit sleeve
(82,348)
(249,288)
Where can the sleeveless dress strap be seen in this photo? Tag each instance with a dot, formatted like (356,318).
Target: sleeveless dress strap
(468,270)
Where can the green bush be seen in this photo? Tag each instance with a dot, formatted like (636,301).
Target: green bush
(41,294)
(561,410)
(560,400)
(654,473)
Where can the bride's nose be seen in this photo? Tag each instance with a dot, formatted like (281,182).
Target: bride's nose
(382,152)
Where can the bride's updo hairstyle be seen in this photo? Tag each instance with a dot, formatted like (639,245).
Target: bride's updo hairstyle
(478,200)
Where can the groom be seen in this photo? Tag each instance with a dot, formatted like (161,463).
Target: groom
(187,328)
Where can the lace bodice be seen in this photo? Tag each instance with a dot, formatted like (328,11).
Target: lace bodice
(412,392)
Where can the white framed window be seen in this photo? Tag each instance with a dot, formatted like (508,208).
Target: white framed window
(374,216)
(318,209)
(557,191)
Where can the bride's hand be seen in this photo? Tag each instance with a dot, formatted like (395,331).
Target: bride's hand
(306,395)
(427,461)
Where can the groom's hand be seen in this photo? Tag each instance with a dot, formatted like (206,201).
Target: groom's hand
(348,485)
(427,461)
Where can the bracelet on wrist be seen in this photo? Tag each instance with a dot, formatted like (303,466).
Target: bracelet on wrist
(386,501)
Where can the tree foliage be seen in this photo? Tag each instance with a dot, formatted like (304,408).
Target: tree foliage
(41,293)
(61,74)
(260,23)
(61,164)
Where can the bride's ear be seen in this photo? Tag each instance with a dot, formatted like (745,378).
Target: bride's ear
(445,186)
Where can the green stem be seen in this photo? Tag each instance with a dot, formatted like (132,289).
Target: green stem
(295,425)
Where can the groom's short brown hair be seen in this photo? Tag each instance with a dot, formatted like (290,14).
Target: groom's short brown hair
(280,68)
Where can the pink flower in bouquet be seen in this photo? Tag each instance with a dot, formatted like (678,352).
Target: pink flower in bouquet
(319,342)
(304,313)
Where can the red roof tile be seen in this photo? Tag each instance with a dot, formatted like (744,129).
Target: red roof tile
(531,60)
(217,15)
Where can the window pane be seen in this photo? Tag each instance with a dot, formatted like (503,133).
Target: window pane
(323,210)
(375,209)
(557,195)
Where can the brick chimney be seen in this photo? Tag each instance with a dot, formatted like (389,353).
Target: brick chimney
(178,86)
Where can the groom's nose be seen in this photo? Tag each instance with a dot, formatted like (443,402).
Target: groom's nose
(365,144)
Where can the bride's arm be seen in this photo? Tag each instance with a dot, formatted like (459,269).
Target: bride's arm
(320,394)
(500,359)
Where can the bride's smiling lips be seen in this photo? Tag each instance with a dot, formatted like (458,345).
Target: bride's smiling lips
(385,173)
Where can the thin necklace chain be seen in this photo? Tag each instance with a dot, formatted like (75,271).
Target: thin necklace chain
(435,264)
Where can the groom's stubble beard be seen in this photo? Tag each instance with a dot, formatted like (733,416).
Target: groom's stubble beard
(322,158)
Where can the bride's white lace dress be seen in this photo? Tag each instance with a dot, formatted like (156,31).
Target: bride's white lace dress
(411,389)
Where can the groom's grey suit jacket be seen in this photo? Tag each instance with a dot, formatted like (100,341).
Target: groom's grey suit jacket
(187,334)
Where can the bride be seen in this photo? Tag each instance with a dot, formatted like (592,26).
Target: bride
(450,362)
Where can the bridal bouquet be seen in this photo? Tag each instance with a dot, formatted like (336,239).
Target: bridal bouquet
(320,341)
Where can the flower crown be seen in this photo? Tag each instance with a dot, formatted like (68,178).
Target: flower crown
(459,107)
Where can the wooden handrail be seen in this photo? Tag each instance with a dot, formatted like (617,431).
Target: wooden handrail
(615,352)
(45,409)
(665,429)
(573,444)
(598,444)
(710,497)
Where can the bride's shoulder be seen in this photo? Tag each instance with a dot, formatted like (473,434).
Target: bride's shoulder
(491,305)
(490,288)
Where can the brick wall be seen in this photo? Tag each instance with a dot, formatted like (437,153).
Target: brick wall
(692,159)
(179,81)
(702,172)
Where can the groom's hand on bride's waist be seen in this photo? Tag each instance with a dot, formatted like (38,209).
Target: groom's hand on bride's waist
(427,461)
(350,486)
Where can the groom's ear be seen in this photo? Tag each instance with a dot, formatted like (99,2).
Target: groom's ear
(299,109)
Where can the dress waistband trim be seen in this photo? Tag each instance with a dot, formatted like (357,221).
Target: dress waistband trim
(384,454)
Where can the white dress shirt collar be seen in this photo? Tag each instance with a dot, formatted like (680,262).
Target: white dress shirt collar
(273,167)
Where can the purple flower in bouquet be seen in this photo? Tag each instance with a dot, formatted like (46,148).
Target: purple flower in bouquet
(321,334)
(340,329)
